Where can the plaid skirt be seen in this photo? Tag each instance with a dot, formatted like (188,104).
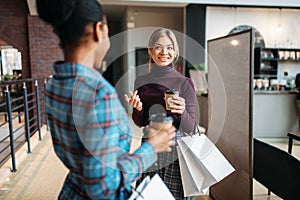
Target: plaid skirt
(167,167)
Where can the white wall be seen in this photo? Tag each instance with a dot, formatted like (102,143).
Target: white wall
(220,20)
(292,68)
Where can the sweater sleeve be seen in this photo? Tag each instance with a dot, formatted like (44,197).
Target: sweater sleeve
(188,117)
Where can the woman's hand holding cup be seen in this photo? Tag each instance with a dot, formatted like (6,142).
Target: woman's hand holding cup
(174,102)
(161,132)
(162,140)
(177,104)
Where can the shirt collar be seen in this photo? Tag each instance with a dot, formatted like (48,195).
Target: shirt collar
(64,70)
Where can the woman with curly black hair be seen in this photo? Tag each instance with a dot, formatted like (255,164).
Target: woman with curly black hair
(90,129)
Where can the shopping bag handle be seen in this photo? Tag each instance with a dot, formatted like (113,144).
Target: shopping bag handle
(200,129)
(197,129)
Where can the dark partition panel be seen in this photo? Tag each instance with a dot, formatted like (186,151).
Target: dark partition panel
(230,72)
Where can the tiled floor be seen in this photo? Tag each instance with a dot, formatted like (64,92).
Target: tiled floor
(38,177)
(4,133)
(41,174)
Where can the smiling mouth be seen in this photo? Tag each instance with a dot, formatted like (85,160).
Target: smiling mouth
(164,58)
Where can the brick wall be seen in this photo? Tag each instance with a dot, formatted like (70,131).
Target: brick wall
(13,28)
(44,49)
(32,37)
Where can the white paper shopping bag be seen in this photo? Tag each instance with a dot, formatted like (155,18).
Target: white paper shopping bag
(200,160)
(150,189)
(191,184)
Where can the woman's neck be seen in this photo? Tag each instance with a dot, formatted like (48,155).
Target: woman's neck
(161,69)
(79,55)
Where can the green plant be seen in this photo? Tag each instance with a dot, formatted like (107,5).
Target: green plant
(7,77)
(200,67)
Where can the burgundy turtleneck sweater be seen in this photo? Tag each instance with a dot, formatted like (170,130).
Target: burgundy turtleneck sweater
(151,88)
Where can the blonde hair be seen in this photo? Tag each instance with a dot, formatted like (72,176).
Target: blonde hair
(158,33)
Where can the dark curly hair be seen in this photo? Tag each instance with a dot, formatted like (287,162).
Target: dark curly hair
(69,17)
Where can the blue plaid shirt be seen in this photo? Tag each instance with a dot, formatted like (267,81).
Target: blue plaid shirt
(91,134)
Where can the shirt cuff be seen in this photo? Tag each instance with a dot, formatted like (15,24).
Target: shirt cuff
(147,153)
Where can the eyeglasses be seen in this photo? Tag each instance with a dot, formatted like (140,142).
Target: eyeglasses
(160,47)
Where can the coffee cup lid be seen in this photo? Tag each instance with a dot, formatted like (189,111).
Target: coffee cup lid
(160,117)
(172,91)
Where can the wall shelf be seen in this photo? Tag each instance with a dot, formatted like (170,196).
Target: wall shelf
(266,60)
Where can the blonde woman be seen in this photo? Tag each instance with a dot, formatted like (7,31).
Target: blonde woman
(148,98)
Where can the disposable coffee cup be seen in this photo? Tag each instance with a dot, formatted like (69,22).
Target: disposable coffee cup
(169,94)
(160,121)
